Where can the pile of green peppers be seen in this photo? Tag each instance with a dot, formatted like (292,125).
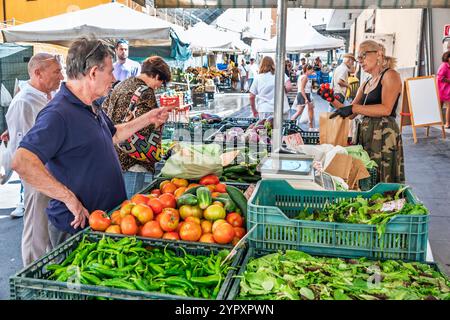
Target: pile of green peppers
(127,264)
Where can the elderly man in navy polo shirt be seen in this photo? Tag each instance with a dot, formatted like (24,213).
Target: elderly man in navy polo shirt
(69,154)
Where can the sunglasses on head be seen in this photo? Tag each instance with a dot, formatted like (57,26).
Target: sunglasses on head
(92,52)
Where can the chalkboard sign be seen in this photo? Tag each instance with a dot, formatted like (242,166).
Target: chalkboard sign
(421,105)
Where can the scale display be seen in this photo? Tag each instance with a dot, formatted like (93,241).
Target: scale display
(287,166)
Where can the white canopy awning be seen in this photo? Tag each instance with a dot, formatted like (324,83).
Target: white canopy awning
(206,38)
(108,21)
(322,4)
(301,37)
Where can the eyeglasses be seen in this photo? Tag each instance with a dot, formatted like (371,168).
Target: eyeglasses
(363,55)
(91,53)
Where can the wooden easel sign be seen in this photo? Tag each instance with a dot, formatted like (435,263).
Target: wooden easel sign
(420,105)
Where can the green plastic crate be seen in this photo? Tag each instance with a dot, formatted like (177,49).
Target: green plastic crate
(251,252)
(370,182)
(31,284)
(275,203)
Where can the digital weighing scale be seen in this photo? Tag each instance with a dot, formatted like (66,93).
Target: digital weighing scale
(297,169)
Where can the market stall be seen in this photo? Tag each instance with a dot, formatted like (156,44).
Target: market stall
(142,30)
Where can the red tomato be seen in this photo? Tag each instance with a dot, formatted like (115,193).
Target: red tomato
(139,198)
(235,219)
(152,230)
(156,205)
(190,231)
(207,238)
(113,229)
(168,221)
(168,200)
(240,232)
(156,192)
(116,217)
(221,187)
(209,179)
(224,233)
(171,236)
(129,225)
(99,221)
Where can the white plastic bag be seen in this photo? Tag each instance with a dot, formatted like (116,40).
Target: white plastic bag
(5,163)
(5,97)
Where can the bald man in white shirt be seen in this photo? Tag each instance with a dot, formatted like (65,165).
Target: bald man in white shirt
(45,77)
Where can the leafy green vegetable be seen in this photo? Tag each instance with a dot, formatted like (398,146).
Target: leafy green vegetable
(363,211)
(295,275)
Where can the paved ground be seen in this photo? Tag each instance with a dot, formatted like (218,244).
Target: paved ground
(427,172)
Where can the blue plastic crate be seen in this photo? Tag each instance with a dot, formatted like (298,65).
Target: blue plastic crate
(275,203)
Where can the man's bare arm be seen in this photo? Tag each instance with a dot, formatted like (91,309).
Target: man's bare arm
(31,169)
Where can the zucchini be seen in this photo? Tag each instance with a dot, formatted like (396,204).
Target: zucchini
(235,169)
(204,197)
(188,198)
(238,198)
(192,190)
(228,204)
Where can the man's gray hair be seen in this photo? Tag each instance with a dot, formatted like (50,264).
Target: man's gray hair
(40,60)
(84,54)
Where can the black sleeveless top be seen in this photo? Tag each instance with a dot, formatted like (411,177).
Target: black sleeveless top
(374,96)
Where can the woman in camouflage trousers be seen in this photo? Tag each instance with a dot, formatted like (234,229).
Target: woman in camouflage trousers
(376,102)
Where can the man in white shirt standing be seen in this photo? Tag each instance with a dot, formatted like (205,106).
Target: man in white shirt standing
(45,72)
(243,72)
(252,72)
(340,76)
(125,68)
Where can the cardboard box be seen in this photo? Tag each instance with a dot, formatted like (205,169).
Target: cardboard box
(348,168)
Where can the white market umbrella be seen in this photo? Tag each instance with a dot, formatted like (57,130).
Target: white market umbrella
(108,21)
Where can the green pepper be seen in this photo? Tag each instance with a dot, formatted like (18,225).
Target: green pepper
(204,292)
(120,260)
(207,281)
(118,283)
(90,278)
(141,284)
(157,269)
(177,291)
(132,260)
(178,281)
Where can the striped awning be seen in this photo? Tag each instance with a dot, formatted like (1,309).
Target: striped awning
(319,4)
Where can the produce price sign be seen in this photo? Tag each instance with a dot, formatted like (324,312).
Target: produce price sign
(293,141)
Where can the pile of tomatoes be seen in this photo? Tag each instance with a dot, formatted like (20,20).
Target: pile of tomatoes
(156,215)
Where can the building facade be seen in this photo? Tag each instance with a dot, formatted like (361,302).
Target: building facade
(20,11)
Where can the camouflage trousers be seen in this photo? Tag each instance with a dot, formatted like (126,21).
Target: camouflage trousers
(382,140)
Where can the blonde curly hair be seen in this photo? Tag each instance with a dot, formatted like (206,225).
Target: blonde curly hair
(387,61)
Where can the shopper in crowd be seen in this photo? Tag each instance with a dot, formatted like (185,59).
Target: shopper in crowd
(340,82)
(443,81)
(377,101)
(45,73)
(288,68)
(124,67)
(318,64)
(304,97)
(69,153)
(262,91)
(252,72)
(301,67)
(234,75)
(243,73)
(130,99)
